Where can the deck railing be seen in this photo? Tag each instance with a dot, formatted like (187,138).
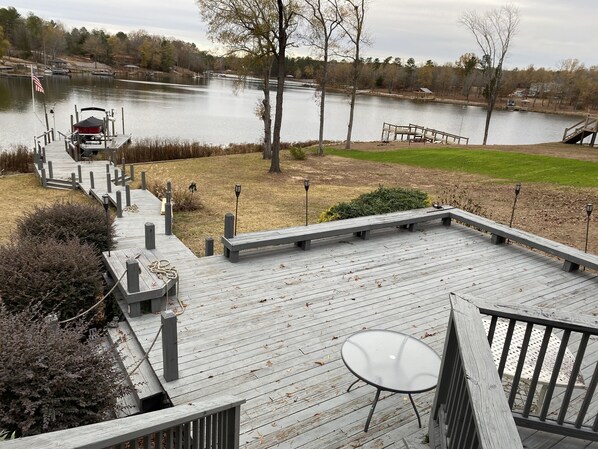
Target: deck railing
(202,425)
(531,367)
(588,124)
(555,349)
(470,410)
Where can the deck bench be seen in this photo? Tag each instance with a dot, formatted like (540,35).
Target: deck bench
(573,257)
(302,236)
(146,286)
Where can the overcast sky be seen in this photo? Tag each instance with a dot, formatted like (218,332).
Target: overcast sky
(550,30)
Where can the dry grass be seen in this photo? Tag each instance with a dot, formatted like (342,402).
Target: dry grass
(21,193)
(270,201)
(267,201)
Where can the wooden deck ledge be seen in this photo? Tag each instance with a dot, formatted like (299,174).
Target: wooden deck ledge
(139,283)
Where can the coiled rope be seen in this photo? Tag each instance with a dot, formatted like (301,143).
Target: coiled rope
(163,270)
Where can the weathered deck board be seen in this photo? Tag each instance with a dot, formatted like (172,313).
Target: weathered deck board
(270,330)
(282,355)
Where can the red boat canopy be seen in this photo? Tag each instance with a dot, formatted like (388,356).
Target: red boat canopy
(90,125)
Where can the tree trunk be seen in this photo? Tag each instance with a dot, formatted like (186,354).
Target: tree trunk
(267,116)
(351,114)
(491,104)
(280,59)
(353,95)
(322,101)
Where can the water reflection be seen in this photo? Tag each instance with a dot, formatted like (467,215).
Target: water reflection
(213,111)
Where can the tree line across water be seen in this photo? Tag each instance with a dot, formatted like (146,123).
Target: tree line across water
(572,86)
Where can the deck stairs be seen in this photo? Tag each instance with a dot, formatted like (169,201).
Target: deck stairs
(577,133)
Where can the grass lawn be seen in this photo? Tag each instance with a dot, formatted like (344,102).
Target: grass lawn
(553,207)
(511,166)
(21,194)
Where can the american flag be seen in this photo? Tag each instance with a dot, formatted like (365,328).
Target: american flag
(37,84)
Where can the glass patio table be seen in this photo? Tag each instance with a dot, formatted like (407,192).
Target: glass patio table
(391,361)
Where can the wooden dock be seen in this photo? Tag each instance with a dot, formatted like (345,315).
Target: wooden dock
(418,133)
(269,328)
(583,129)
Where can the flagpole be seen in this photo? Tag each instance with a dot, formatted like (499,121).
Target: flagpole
(33,98)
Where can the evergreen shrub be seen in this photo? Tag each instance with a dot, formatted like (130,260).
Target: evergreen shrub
(298,153)
(381,201)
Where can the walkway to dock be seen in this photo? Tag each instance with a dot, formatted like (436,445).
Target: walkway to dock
(577,133)
(269,328)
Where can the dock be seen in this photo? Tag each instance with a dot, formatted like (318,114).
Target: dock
(418,133)
(583,129)
(269,328)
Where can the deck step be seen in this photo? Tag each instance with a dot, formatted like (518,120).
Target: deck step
(149,395)
(126,405)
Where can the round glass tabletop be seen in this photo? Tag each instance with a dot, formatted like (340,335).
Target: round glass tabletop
(391,361)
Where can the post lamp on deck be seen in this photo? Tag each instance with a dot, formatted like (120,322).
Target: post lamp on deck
(306,185)
(106,202)
(517,191)
(589,209)
(237,193)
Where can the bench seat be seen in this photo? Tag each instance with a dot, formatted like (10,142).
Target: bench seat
(303,235)
(573,257)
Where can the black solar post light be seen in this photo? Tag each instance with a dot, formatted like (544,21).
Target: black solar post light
(237,193)
(589,209)
(106,202)
(306,185)
(517,190)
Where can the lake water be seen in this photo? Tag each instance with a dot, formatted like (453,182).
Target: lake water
(210,111)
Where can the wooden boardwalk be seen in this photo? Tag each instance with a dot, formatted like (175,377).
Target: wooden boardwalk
(269,329)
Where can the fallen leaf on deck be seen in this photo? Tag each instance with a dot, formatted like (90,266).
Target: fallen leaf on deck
(428,334)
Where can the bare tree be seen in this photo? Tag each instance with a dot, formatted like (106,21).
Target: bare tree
(493,32)
(323,18)
(353,27)
(261,29)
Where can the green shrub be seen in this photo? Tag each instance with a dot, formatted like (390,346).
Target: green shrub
(182,199)
(381,201)
(298,153)
(65,221)
(56,277)
(51,380)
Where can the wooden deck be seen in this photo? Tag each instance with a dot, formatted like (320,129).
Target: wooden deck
(269,329)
